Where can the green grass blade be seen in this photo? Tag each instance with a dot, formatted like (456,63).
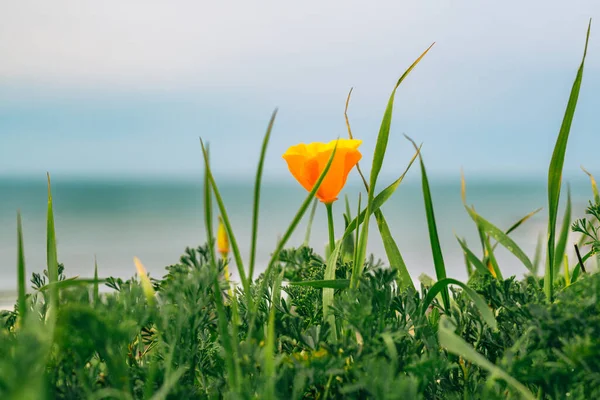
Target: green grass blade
(500,237)
(70,282)
(594,186)
(21,274)
(561,245)
(457,345)
(472,258)
(96,293)
(393,253)
(555,172)
(522,220)
(51,252)
(256,202)
(222,320)
(378,155)
(237,255)
(324,284)
(486,312)
(436,248)
(328,292)
(168,385)
(311,218)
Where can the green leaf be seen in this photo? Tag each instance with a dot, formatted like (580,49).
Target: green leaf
(486,312)
(256,202)
(168,384)
(457,345)
(491,259)
(561,246)
(472,258)
(378,155)
(329,283)
(537,257)
(21,274)
(500,236)
(436,248)
(555,172)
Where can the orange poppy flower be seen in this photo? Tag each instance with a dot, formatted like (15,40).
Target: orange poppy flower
(306,162)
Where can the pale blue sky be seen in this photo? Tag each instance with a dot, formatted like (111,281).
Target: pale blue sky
(113,89)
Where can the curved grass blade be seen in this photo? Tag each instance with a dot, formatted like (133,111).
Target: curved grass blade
(21,275)
(436,248)
(378,155)
(500,236)
(486,312)
(457,345)
(555,172)
(234,245)
(256,202)
(472,258)
(70,282)
(561,246)
(594,185)
(145,281)
(323,284)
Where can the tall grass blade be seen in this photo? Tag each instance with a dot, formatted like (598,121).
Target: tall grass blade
(436,248)
(145,281)
(222,320)
(324,284)
(237,255)
(486,312)
(51,252)
(256,202)
(561,245)
(378,155)
(594,186)
(521,221)
(537,257)
(555,172)
(96,292)
(457,345)
(21,274)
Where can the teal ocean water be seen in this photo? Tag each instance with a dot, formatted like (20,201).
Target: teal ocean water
(115,221)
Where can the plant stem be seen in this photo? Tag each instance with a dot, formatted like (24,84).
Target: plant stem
(329,207)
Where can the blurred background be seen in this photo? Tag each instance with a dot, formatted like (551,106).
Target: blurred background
(111,98)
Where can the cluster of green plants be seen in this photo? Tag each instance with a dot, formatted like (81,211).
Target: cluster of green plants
(341,326)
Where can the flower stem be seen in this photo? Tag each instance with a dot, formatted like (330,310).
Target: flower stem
(329,207)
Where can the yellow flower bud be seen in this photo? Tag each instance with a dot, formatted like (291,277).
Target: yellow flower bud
(222,239)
